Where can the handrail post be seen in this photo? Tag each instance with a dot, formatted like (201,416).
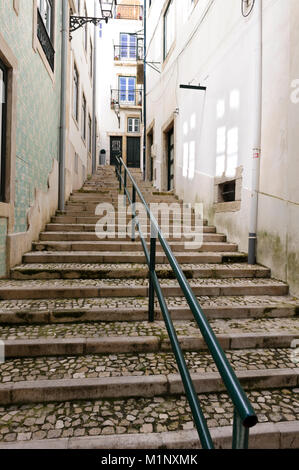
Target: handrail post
(125,188)
(240,433)
(133,213)
(151,300)
(120,174)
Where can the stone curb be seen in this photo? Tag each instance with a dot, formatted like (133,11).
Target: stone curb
(66,315)
(75,292)
(284,435)
(143,344)
(42,391)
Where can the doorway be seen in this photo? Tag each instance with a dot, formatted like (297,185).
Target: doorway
(116,149)
(133,152)
(170,160)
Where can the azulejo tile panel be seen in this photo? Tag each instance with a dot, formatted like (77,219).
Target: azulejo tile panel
(37,128)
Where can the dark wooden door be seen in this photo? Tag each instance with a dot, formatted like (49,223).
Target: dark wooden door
(170,182)
(116,148)
(133,152)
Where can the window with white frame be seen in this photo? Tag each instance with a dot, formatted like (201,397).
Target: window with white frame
(169,27)
(127,90)
(128,46)
(133,125)
(45,8)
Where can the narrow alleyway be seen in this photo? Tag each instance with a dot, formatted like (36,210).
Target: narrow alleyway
(83,362)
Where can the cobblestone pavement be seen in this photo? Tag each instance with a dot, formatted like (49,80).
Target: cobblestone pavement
(133,283)
(117,365)
(142,415)
(141,302)
(116,267)
(133,329)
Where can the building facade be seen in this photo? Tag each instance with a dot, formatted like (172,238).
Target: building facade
(80,100)
(120,94)
(202,118)
(30,59)
(30,81)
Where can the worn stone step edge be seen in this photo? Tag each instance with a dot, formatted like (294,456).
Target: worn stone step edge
(83,228)
(75,292)
(124,246)
(282,435)
(44,391)
(23,272)
(80,315)
(122,344)
(133,257)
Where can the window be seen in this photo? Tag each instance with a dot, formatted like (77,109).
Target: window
(169,27)
(128,46)
(76,94)
(45,29)
(227,191)
(89,133)
(127,93)
(133,125)
(83,118)
(45,8)
(3,111)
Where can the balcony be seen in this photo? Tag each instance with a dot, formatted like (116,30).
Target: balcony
(126,98)
(45,41)
(128,53)
(128,12)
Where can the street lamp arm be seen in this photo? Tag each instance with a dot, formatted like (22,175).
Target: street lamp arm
(77,22)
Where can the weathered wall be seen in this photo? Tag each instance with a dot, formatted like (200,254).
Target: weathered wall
(37,125)
(214,45)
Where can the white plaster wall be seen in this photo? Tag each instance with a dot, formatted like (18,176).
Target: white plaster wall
(108,72)
(215,47)
(76,144)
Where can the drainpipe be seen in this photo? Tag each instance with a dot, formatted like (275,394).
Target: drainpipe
(144,93)
(62,129)
(94,98)
(255,177)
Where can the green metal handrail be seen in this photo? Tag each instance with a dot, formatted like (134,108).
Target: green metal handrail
(244,415)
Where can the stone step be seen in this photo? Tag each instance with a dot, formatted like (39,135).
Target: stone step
(93,219)
(138,257)
(265,329)
(123,246)
(282,435)
(130,309)
(38,388)
(134,271)
(92,236)
(77,346)
(92,227)
(47,289)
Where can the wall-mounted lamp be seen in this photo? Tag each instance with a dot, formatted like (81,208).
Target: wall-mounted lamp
(107,8)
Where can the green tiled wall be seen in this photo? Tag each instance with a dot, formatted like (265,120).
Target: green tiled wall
(37,128)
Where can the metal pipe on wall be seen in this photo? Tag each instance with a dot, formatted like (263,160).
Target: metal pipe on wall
(63,94)
(255,176)
(94,95)
(144,95)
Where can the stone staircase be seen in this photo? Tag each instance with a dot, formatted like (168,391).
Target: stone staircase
(85,369)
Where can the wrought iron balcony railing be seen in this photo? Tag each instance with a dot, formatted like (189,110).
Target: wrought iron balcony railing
(126,97)
(45,41)
(128,53)
(128,12)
